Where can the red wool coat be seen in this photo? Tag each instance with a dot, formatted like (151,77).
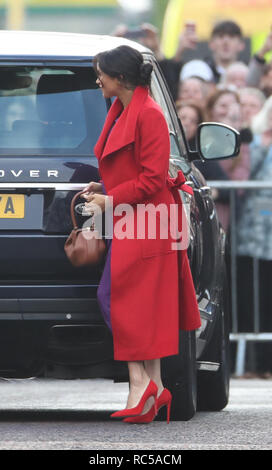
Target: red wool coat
(152,292)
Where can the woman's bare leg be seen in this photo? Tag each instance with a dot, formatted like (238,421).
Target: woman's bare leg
(153,370)
(140,374)
(138,381)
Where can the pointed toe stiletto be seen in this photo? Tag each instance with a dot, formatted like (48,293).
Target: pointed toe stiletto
(150,391)
(145,418)
(165,398)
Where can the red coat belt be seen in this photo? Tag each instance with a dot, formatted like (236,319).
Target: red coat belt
(179,183)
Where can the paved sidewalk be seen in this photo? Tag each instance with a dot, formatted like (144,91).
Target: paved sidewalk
(74,414)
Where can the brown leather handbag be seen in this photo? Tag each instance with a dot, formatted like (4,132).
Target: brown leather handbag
(82,247)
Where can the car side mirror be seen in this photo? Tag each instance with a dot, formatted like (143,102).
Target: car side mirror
(217,141)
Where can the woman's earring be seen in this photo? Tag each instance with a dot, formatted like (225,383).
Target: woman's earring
(121,79)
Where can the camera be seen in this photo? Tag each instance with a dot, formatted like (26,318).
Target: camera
(135,33)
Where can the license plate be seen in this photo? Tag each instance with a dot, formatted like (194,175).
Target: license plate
(12,206)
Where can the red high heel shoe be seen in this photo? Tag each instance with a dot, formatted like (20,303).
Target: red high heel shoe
(165,398)
(150,391)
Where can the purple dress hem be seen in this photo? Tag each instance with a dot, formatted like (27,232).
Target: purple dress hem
(104,288)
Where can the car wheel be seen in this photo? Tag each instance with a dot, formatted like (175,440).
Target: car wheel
(213,387)
(181,379)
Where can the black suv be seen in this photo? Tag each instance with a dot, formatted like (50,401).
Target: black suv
(51,114)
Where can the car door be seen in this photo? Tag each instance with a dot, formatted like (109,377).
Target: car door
(204,246)
(179,161)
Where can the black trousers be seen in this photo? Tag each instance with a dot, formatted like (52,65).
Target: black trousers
(245,306)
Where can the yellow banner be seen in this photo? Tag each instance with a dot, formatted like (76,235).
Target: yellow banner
(172,26)
(253,16)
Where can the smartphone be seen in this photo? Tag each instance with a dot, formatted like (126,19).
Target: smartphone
(135,33)
(190,26)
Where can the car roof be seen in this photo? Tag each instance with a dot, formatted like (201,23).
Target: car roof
(58,44)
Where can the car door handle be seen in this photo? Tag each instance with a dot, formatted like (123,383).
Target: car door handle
(176,162)
(204,191)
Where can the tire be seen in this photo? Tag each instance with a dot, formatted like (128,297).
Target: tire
(213,387)
(181,379)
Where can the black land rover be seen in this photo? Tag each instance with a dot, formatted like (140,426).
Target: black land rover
(51,114)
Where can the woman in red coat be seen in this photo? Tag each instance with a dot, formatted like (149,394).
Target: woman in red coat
(150,293)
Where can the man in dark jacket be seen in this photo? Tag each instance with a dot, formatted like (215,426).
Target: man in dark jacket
(226,44)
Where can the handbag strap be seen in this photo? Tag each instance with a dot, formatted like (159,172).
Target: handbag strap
(72,208)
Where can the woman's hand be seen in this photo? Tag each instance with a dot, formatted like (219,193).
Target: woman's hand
(94,200)
(215,193)
(94,187)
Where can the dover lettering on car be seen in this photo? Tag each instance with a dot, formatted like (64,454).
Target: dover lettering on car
(51,114)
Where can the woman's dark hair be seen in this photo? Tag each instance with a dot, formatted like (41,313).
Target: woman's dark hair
(126,64)
(191,104)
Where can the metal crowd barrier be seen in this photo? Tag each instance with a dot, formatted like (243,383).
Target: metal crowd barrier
(235,335)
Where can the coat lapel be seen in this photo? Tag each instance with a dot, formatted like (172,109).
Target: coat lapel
(115,109)
(123,132)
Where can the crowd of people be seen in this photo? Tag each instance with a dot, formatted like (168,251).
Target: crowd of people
(222,88)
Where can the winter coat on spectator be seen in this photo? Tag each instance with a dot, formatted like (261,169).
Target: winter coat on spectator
(171,71)
(237,169)
(254,230)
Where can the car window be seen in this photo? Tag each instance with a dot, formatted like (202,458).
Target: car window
(46,110)
(157,95)
(177,146)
